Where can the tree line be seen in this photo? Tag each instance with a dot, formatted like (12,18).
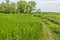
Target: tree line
(19,7)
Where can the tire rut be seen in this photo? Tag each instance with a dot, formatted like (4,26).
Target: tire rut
(47,31)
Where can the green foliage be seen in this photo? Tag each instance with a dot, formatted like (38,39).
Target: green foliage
(20,27)
(26,7)
(7,1)
(20,7)
(2,7)
(55,28)
(28,27)
(52,21)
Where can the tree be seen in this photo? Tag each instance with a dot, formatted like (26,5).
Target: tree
(22,6)
(25,7)
(7,7)
(7,1)
(2,7)
(38,10)
(12,8)
(32,6)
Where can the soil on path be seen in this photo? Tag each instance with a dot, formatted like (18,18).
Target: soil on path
(47,32)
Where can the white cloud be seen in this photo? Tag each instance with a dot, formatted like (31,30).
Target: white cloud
(51,6)
(49,0)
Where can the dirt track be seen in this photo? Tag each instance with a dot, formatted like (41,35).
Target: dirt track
(47,31)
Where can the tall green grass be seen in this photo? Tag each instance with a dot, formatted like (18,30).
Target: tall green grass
(28,26)
(55,28)
(20,27)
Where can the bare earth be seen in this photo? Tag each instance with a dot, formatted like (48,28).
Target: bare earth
(47,31)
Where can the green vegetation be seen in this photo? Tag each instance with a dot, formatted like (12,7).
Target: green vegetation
(19,7)
(20,27)
(22,21)
(29,27)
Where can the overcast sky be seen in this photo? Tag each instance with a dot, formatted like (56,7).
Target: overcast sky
(45,5)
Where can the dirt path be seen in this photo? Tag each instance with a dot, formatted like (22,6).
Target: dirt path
(47,32)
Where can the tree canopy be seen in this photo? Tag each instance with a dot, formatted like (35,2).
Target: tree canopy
(21,6)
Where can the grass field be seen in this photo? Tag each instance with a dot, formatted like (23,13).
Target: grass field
(29,27)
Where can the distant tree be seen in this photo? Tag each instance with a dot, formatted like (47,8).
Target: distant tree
(25,7)
(32,6)
(7,1)
(38,10)
(21,6)
(7,7)
(12,7)
(2,7)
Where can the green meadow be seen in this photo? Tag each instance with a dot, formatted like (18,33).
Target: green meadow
(29,26)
